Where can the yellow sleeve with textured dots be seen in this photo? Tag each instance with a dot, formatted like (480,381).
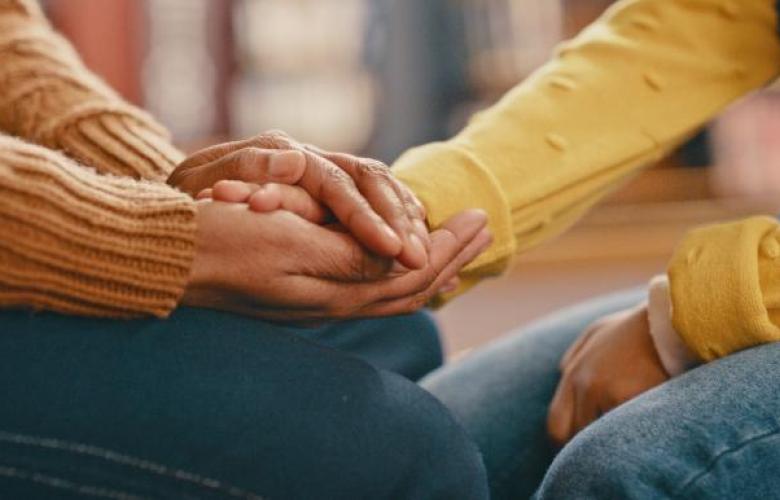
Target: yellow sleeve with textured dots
(725,287)
(629,88)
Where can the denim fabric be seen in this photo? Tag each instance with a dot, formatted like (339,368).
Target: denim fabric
(211,405)
(713,433)
(501,394)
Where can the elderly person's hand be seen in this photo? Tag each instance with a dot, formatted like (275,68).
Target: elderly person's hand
(379,211)
(613,361)
(279,266)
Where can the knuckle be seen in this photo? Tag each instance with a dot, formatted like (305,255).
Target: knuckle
(335,178)
(274,137)
(374,169)
(593,391)
(581,380)
(276,132)
(249,157)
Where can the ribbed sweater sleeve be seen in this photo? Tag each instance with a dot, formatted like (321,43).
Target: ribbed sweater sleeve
(78,242)
(48,97)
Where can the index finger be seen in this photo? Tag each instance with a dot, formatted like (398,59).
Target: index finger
(336,190)
(393,202)
(560,416)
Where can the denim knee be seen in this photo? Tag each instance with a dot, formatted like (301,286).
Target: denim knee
(368,433)
(614,458)
(423,342)
(431,455)
(255,407)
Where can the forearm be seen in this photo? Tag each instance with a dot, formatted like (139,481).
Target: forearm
(48,97)
(620,95)
(81,243)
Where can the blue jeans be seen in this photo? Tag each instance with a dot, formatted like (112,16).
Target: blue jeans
(711,433)
(211,405)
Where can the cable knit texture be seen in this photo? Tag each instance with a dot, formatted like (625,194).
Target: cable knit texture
(48,97)
(93,231)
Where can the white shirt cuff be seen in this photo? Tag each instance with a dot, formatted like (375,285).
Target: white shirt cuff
(675,356)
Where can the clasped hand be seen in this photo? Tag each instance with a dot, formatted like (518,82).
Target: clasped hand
(349,241)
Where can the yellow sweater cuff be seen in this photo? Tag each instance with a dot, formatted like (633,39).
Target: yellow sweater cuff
(716,286)
(448,180)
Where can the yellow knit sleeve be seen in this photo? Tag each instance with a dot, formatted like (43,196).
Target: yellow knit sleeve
(630,87)
(48,97)
(725,287)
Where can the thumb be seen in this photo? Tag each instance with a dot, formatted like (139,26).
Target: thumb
(250,164)
(261,166)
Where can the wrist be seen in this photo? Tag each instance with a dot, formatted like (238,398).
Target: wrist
(203,269)
(675,355)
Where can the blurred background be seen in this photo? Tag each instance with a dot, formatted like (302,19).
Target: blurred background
(375,77)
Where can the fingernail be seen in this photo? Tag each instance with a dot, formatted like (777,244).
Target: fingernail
(474,219)
(392,235)
(417,249)
(486,239)
(284,163)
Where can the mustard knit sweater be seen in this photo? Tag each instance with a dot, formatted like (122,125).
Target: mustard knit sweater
(629,88)
(87,224)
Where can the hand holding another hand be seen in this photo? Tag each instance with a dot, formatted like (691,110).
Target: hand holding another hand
(370,203)
(283,267)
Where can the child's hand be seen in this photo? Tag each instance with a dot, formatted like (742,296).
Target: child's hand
(613,361)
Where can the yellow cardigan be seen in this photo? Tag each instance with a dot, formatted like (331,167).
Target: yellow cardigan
(628,89)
